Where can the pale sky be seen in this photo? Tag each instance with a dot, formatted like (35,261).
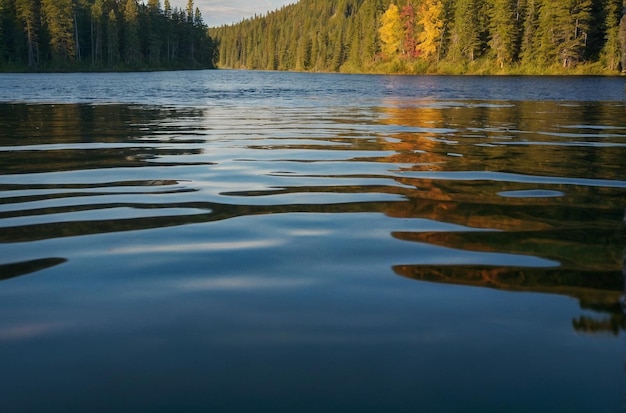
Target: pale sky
(219,12)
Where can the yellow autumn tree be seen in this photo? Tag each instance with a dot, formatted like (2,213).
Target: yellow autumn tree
(390,31)
(431,21)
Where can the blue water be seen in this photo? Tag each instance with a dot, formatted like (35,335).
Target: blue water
(260,241)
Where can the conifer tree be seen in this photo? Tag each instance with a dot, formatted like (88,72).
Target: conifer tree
(97,16)
(529,42)
(622,39)
(466,31)
(131,25)
(26,13)
(189,11)
(563,30)
(611,51)
(154,6)
(113,47)
(59,20)
(167,9)
(503,31)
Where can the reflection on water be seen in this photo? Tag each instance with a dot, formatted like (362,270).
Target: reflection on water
(572,219)
(296,224)
(21,268)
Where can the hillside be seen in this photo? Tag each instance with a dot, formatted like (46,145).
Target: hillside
(431,36)
(101,35)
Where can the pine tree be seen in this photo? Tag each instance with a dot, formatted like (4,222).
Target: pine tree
(97,16)
(466,31)
(27,13)
(503,30)
(131,25)
(563,30)
(155,31)
(189,11)
(167,9)
(610,55)
(154,6)
(622,39)
(113,46)
(59,20)
(528,49)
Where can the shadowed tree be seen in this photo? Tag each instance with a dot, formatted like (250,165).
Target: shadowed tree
(27,13)
(131,25)
(113,46)
(97,26)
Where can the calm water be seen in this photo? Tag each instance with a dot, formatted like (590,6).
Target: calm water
(232,241)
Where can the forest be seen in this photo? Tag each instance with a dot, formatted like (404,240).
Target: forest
(431,36)
(102,35)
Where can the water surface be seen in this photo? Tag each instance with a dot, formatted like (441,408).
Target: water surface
(250,241)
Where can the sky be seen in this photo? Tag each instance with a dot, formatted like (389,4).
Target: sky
(219,12)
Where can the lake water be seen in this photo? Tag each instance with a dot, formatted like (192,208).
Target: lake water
(232,241)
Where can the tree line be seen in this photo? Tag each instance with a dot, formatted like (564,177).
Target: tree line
(102,35)
(431,36)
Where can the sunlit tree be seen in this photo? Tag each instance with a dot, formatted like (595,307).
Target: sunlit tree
(391,31)
(409,36)
(466,31)
(563,31)
(528,49)
(59,20)
(611,52)
(622,39)
(431,15)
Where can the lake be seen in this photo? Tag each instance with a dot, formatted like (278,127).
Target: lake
(235,241)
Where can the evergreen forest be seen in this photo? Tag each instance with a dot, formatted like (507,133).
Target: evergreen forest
(431,36)
(102,35)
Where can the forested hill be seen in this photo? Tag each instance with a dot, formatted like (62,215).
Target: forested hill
(70,35)
(431,36)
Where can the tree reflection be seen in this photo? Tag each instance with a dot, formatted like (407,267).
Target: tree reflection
(418,142)
(8,271)
(579,230)
(82,137)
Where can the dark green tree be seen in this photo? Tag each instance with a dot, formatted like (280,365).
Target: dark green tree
(132,47)
(26,11)
(113,45)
